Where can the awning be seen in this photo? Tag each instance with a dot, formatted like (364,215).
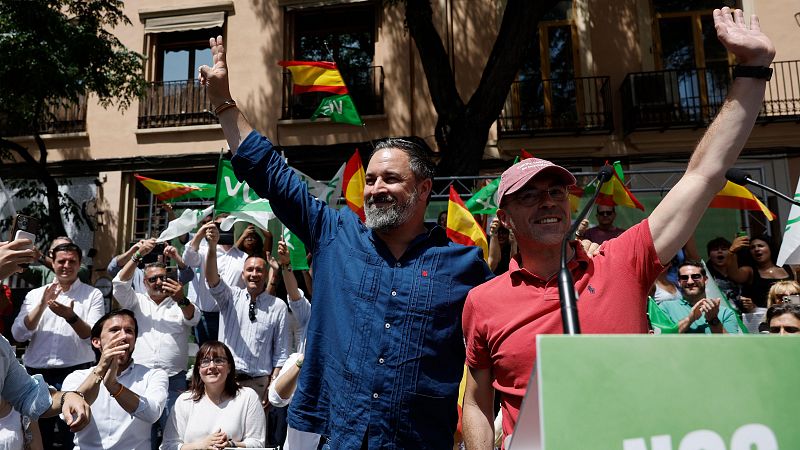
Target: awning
(185,22)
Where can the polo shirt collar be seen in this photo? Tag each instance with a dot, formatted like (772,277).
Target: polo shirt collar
(579,262)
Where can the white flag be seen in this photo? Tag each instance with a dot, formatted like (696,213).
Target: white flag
(790,247)
(327,192)
(258,218)
(187,222)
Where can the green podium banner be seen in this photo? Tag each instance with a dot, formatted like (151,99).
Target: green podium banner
(645,392)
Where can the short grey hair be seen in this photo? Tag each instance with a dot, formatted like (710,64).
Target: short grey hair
(421,165)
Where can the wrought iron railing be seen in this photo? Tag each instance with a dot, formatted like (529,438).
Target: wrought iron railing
(66,117)
(557,106)
(691,98)
(364,85)
(175,104)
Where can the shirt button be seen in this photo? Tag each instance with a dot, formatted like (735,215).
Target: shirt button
(397,264)
(375,395)
(380,360)
(387,326)
(394,293)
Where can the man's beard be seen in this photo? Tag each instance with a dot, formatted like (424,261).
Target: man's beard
(386,218)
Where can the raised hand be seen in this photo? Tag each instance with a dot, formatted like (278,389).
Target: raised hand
(109,357)
(173,288)
(283,253)
(750,46)
(216,78)
(146,246)
(14,253)
(210,232)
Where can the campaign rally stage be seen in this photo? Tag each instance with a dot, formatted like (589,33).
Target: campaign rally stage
(662,393)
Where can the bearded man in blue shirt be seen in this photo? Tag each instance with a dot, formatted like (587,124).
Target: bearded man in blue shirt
(385,350)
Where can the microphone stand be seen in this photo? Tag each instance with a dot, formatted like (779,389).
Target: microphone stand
(769,189)
(566,284)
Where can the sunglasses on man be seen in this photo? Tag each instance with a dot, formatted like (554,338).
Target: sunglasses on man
(694,276)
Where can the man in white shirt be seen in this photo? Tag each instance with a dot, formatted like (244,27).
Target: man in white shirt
(57,320)
(253,322)
(126,397)
(165,320)
(230,262)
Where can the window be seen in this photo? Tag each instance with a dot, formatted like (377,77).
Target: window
(179,54)
(687,45)
(345,35)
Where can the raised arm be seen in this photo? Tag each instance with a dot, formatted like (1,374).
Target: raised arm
(211,234)
(676,217)
(234,125)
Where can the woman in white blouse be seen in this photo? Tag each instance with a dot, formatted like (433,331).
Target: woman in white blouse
(215,412)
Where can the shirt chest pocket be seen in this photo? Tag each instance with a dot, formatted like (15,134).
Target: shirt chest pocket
(173,320)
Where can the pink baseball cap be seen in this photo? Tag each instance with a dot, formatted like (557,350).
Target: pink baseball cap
(518,175)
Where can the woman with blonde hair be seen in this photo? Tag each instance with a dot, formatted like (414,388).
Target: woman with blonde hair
(783,292)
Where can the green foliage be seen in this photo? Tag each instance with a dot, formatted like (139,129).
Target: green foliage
(54,51)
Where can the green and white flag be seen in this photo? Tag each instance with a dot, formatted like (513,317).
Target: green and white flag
(327,192)
(187,222)
(659,320)
(485,200)
(237,199)
(340,109)
(713,291)
(790,247)
(297,251)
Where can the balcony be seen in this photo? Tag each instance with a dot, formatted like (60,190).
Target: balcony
(175,104)
(365,87)
(557,106)
(69,117)
(691,98)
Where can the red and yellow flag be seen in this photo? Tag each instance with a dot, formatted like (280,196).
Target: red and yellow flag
(733,196)
(615,193)
(315,76)
(462,227)
(353,184)
(575,194)
(524,154)
(165,190)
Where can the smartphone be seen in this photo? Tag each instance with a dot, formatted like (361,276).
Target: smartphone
(172,273)
(157,251)
(225,237)
(25,227)
(793,299)
(741,233)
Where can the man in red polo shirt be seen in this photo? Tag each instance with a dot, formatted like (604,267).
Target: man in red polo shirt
(503,316)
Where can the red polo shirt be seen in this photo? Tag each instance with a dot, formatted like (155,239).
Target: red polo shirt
(503,316)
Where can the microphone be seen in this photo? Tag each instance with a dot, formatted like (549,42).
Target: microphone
(740,177)
(566,284)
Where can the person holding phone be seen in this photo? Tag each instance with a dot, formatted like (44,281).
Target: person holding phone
(165,318)
(57,319)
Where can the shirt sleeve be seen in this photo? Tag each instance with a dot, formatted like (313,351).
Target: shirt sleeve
(194,320)
(124,293)
(478,356)
(20,332)
(280,341)
(267,174)
(185,275)
(191,257)
(255,421)
(29,395)
(222,294)
(301,310)
(113,267)
(97,307)
(729,321)
(175,429)
(154,398)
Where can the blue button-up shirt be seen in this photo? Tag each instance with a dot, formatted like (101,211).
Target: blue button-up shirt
(385,351)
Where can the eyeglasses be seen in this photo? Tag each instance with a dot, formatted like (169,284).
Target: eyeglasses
(206,362)
(790,330)
(790,298)
(252,312)
(155,278)
(605,213)
(531,197)
(695,277)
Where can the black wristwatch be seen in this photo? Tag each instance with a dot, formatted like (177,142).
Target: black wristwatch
(760,72)
(714,322)
(183,302)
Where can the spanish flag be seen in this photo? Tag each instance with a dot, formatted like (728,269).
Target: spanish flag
(614,193)
(462,227)
(165,190)
(315,76)
(353,184)
(733,196)
(524,154)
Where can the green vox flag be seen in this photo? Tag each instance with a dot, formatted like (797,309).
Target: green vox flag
(484,201)
(340,108)
(297,251)
(236,197)
(661,322)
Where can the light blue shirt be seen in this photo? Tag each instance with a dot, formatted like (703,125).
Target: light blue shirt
(29,395)
(678,310)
